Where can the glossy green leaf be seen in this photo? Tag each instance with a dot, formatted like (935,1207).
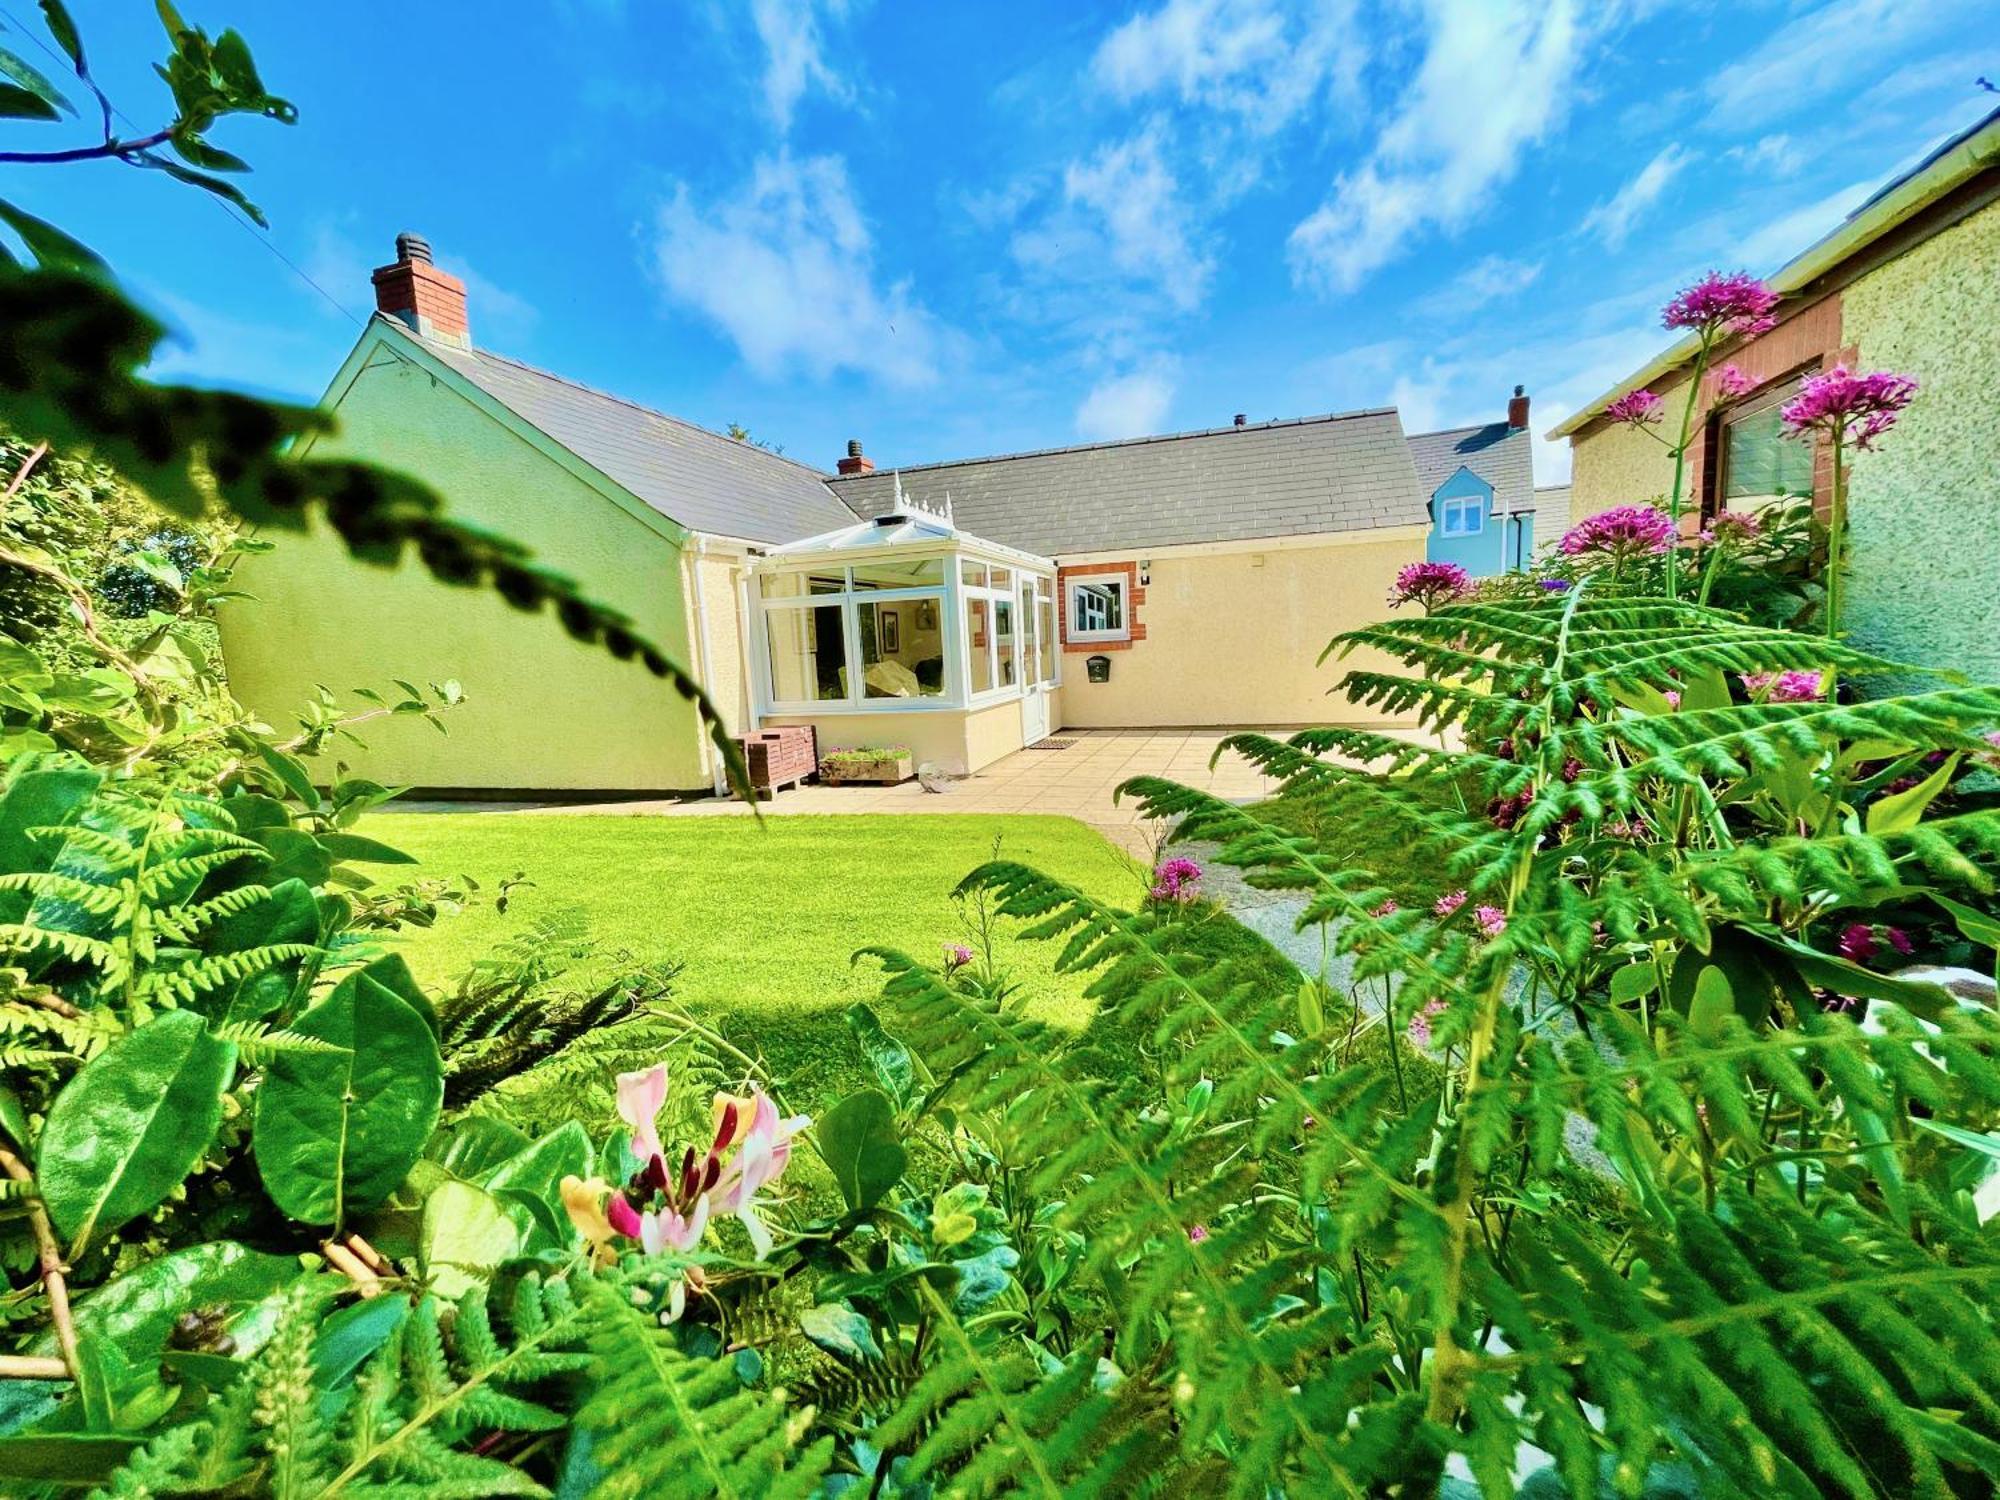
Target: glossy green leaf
(539,1170)
(291,772)
(335,1133)
(63,29)
(36,799)
(1843,978)
(30,78)
(127,1129)
(1975,925)
(68,1458)
(858,1140)
(290,915)
(472,1147)
(1904,810)
(841,1331)
(467,1233)
(352,846)
(393,974)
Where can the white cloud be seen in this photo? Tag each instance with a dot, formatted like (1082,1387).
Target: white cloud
(1261,60)
(791,33)
(1122,406)
(1776,241)
(1822,52)
(786,269)
(1138,215)
(1612,220)
(1497,77)
(1771,155)
(1486,280)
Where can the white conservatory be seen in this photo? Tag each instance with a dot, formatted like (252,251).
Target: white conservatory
(904,630)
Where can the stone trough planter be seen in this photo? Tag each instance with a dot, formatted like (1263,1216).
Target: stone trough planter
(883,768)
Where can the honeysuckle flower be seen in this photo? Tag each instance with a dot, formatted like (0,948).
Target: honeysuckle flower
(1430,584)
(1622,533)
(641,1097)
(583,1201)
(1854,408)
(1420,1023)
(1730,382)
(763,1148)
(1783,687)
(1175,880)
(1444,906)
(1736,303)
(1639,408)
(1490,920)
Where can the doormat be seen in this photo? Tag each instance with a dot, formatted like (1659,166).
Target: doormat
(1051,744)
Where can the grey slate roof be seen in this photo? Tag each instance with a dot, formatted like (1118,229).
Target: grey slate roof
(1503,456)
(703,480)
(1345,472)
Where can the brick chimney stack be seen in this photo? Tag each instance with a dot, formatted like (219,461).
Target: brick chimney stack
(430,301)
(1517,409)
(856,461)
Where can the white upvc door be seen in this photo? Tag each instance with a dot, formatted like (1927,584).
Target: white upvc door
(1034,689)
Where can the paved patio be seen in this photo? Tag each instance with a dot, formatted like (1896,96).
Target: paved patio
(1075,781)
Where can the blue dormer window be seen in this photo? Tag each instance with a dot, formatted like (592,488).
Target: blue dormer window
(1463,517)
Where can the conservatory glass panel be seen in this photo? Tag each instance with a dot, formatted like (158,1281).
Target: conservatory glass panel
(1003,635)
(902,647)
(808,653)
(1045,615)
(913,572)
(979,642)
(798,585)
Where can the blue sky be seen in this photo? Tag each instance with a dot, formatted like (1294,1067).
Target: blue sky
(954,229)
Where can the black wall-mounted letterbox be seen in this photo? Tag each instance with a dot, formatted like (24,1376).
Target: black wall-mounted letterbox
(1098,669)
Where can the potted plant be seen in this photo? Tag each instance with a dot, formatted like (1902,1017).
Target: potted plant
(882,763)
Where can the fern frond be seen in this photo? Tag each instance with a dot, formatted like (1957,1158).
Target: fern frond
(669,1424)
(258,1042)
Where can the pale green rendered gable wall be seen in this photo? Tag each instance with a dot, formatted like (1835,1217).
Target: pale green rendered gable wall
(541,711)
(1925,509)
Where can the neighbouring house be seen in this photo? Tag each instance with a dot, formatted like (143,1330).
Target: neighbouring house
(961,609)
(1910,282)
(1480,484)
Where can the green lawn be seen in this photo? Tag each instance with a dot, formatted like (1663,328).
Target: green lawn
(763,919)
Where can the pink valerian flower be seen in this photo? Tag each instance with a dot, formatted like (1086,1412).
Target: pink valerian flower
(1490,920)
(1735,303)
(1420,1023)
(1861,941)
(1175,880)
(1639,408)
(1992,737)
(1386,909)
(1733,527)
(1854,408)
(1446,905)
(1673,697)
(956,956)
(1731,382)
(1197,1233)
(1783,687)
(1430,584)
(1622,533)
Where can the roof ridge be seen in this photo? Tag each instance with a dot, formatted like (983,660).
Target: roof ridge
(651,411)
(1163,437)
(1469,427)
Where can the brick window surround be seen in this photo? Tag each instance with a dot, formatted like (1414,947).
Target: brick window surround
(1134,597)
(1806,340)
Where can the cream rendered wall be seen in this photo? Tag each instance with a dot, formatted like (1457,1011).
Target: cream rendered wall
(1233,634)
(1924,507)
(541,711)
(953,739)
(1616,465)
(710,589)
(993,732)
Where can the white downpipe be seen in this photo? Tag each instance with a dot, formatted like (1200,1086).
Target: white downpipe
(718,777)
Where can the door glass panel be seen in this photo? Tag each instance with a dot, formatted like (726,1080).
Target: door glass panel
(808,655)
(902,650)
(1003,615)
(1045,618)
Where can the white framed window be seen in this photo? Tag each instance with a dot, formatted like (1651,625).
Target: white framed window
(1465,516)
(1099,609)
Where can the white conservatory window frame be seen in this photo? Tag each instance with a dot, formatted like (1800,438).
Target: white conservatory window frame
(950,593)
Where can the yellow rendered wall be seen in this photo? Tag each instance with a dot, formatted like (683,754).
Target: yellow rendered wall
(1232,637)
(1924,506)
(1616,465)
(993,732)
(542,712)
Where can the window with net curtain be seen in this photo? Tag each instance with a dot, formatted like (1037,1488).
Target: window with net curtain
(1759,464)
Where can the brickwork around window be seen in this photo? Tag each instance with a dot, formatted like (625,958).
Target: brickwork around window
(1135,596)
